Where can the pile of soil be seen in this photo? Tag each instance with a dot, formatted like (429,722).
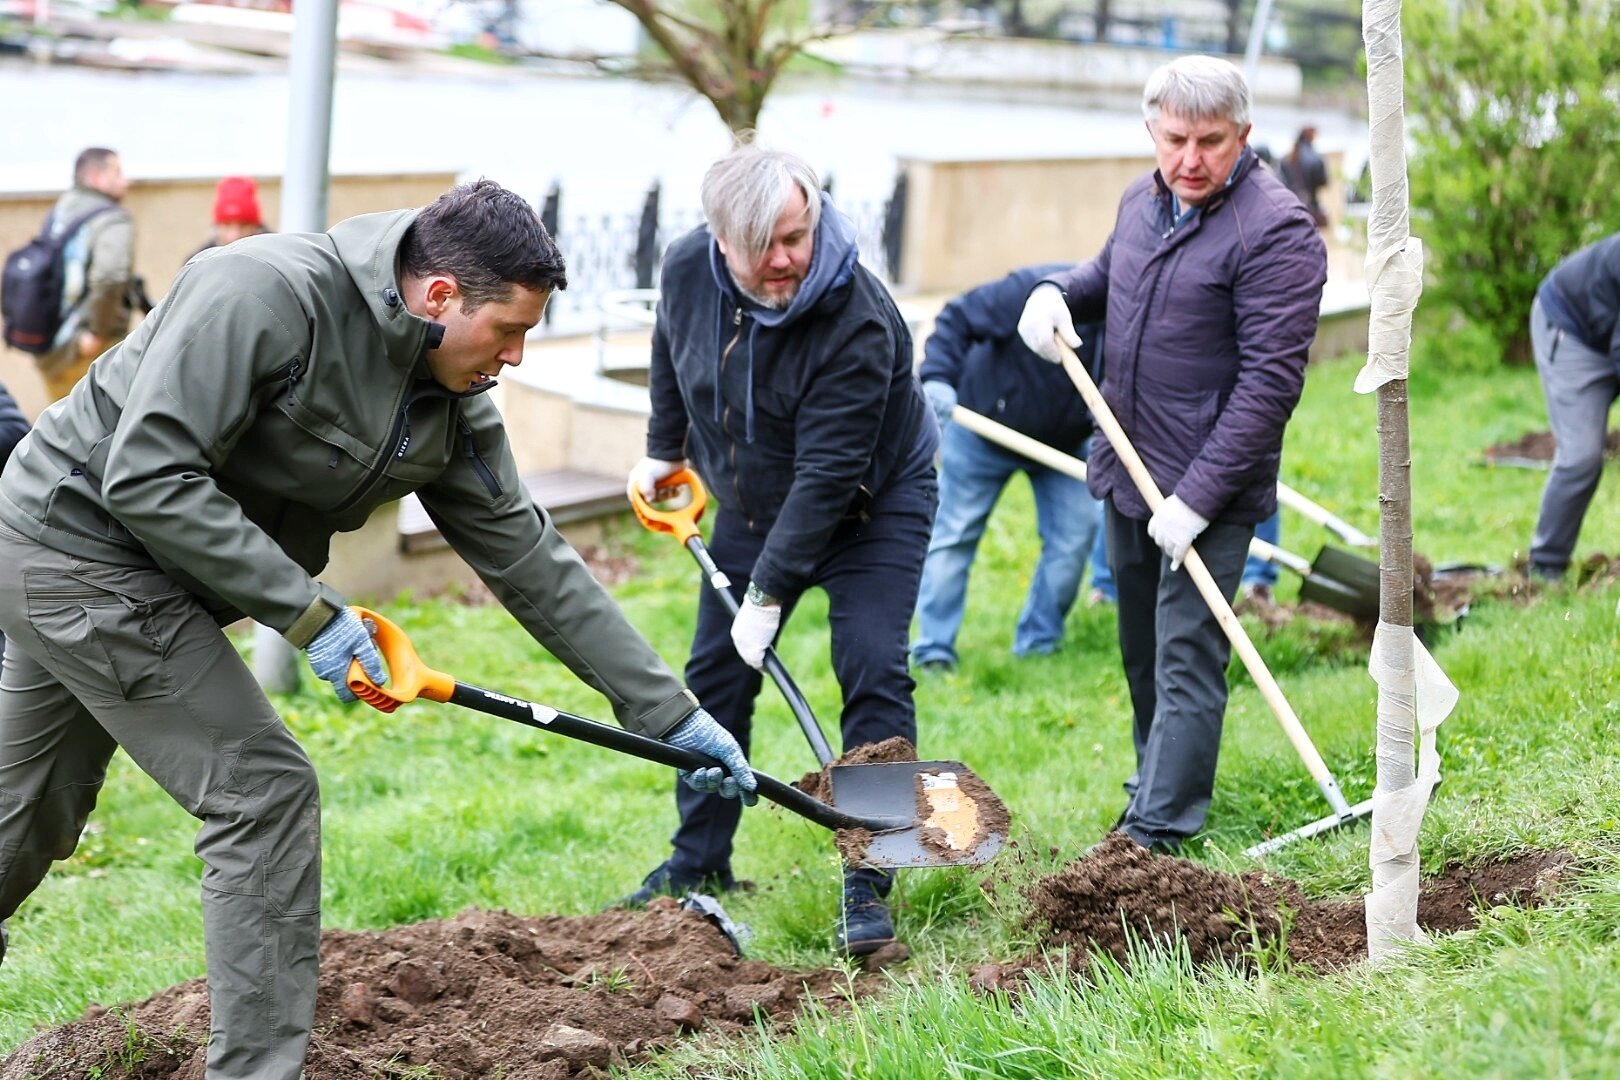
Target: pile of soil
(1535,450)
(1120,890)
(541,998)
(1439,598)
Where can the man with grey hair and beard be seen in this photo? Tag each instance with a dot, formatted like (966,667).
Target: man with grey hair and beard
(1209,288)
(782,370)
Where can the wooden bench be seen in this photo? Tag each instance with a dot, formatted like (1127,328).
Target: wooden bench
(568,495)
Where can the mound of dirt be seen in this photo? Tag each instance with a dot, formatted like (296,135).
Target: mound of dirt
(1535,449)
(1440,596)
(1121,890)
(485,993)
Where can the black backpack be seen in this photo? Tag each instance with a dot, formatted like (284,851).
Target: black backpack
(31,287)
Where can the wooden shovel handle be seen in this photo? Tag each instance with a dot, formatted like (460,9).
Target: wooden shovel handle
(1194,565)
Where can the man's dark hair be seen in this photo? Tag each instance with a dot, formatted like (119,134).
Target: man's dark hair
(488,239)
(92,159)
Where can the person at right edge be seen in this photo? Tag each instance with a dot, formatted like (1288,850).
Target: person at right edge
(1573,324)
(1209,289)
(782,368)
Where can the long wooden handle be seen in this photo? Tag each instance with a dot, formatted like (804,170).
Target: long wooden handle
(1194,565)
(1053,458)
(1312,511)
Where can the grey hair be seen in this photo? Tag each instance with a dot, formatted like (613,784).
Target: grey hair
(1198,88)
(745,191)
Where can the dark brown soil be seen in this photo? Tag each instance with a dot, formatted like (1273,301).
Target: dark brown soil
(1535,450)
(542,998)
(1438,598)
(1120,890)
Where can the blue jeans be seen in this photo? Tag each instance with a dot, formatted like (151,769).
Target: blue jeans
(972,474)
(1580,385)
(1255,571)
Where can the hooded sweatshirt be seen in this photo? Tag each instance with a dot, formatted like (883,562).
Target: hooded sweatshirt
(279,394)
(795,418)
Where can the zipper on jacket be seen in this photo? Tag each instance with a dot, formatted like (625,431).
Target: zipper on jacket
(479,465)
(725,414)
(295,371)
(396,435)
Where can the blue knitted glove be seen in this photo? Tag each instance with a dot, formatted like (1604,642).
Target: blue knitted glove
(343,639)
(703,733)
(942,396)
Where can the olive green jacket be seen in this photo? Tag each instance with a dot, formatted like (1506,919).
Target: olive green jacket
(279,394)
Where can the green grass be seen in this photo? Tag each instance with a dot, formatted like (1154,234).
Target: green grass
(435,809)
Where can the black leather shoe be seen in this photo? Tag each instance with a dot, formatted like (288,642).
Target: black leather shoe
(864,925)
(665,881)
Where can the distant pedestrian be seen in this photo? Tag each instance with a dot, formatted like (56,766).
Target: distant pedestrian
(976,358)
(1572,333)
(1305,173)
(99,287)
(236,212)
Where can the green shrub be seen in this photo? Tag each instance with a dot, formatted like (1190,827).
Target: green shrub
(1516,104)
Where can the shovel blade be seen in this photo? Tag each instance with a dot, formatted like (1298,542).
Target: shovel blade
(1343,582)
(956,819)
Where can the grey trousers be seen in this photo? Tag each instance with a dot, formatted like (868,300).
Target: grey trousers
(1175,656)
(101,657)
(1580,385)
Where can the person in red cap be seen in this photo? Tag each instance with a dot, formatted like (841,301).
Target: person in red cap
(236,212)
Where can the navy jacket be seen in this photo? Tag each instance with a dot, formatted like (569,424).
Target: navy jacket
(1582,296)
(794,419)
(975,348)
(1209,324)
(13,424)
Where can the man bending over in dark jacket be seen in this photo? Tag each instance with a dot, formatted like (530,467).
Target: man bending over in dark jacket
(1209,287)
(782,369)
(976,358)
(285,388)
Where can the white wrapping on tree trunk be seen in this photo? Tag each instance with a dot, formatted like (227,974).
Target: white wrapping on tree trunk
(1394,283)
(1414,697)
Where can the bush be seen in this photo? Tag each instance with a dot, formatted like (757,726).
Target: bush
(1516,162)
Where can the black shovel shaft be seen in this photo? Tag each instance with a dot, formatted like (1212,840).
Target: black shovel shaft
(628,742)
(773,663)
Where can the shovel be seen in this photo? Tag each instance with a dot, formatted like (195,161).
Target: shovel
(901,814)
(679,518)
(1337,579)
(1343,812)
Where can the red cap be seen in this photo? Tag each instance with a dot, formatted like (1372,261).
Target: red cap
(236,202)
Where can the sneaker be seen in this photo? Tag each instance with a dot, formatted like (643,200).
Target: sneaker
(665,881)
(1257,591)
(864,925)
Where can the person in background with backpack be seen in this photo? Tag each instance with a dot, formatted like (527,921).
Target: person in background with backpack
(98,279)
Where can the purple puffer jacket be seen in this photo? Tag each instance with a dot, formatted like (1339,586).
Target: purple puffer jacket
(1208,326)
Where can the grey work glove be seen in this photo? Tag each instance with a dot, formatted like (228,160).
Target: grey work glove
(340,641)
(942,396)
(703,733)
(1046,312)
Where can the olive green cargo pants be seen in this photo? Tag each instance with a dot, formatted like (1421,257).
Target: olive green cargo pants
(101,656)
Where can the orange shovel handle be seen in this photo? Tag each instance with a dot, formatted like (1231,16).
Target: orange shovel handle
(680,522)
(408,677)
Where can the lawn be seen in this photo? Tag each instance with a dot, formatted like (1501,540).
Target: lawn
(433,809)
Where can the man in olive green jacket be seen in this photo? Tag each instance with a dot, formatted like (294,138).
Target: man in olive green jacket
(286,387)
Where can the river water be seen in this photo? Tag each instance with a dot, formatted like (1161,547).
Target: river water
(605,139)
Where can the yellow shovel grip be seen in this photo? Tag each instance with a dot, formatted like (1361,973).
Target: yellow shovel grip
(408,677)
(680,522)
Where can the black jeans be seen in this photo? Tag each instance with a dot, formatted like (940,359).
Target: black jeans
(870,573)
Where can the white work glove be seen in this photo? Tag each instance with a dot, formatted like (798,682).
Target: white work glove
(1174,527)
(649,471)
(941,397)
(703,733)
(1046,313)
(755,626)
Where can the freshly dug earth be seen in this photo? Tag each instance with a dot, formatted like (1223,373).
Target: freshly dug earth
(1120,889)
(542,998)
(1535,450)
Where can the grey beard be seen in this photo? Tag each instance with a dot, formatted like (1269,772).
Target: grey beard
(773,303)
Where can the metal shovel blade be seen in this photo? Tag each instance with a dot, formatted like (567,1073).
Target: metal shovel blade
(1343,582)
(958,820)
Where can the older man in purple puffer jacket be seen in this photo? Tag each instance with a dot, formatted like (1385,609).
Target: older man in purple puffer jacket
(1209,288)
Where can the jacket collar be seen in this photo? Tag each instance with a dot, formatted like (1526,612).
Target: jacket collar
(368,246)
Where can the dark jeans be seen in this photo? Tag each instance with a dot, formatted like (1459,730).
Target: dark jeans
(1175,656)
(870,573)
